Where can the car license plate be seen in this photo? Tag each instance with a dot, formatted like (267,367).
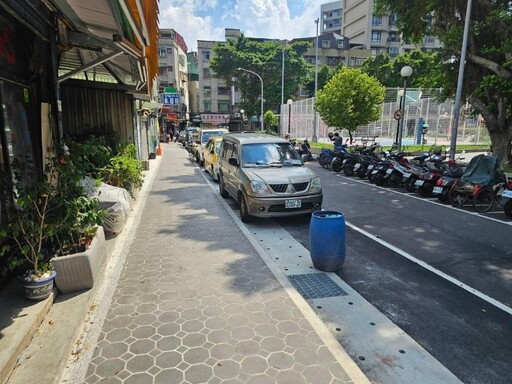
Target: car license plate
(419,183)
(507,193)
(437,190)
(407,175)
(289,204)
(389,170)
(356,166)
(370,166)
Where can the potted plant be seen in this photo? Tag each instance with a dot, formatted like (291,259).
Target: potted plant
(47,216)
(29,216)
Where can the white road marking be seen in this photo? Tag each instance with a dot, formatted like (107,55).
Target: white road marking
(428,267)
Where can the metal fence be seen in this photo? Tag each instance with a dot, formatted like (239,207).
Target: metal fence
(422,110)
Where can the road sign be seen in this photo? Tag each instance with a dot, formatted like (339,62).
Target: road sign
(398,114)
(171,98)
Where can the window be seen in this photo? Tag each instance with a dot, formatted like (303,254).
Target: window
(376,21)
(223,106)
(206,55)
(393,37)
(375,36)
(162,71)
(222,91)
(392,20)
(207,106)
(207,91)
(162,51)
(429,40)
(170,68)
(326,43)
(393,51)
(341,44)
(206,73)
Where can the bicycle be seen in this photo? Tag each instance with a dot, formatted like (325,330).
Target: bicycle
(486,196)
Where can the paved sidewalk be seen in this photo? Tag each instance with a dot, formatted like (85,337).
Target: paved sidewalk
(196,303)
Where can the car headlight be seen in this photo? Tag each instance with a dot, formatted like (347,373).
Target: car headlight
(260,188)
(315,185)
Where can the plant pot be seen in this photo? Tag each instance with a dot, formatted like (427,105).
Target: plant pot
(78,271)
(39,289)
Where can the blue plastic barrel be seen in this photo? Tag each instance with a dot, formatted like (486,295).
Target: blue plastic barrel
(327,240)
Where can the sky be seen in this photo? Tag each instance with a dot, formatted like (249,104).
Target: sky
(207,19)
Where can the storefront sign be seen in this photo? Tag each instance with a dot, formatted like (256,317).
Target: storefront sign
(214,117)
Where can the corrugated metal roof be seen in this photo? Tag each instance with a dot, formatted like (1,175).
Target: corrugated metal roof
(93,24)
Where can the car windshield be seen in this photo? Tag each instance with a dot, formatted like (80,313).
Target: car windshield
(207,135)
(269,155)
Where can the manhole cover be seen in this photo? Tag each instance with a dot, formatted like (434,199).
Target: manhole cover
(316,286)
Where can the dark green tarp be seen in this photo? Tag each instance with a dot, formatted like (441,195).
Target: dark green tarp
(482,170)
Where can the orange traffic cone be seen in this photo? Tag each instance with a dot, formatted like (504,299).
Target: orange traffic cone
(159,149)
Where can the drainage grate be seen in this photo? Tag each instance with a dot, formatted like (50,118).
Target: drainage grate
(316,286)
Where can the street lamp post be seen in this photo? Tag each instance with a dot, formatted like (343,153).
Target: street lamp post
(261,106)
(289,102)
(460,79)
(401,95)
(405,73)
(242,115)
(315,138)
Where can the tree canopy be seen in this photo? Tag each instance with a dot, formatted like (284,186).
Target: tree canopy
(427,67)
(351,98)
(487,82)
(265,59)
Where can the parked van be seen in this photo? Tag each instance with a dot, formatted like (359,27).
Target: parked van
(266,176)
(204,135)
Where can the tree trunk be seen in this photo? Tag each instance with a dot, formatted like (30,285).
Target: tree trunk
(502,145)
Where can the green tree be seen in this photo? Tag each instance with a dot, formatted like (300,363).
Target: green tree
(427,66)
(271,121)
(265,59)
(325,73)
(487,82)
(351,98)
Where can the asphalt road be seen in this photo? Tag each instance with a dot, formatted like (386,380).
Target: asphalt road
(467,330)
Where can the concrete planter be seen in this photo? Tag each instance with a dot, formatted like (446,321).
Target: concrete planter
(78,271)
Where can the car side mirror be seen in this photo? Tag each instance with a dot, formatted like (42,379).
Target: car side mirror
(233,161)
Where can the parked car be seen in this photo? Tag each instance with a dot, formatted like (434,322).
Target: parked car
(211,156)
(267,177)
(204,135)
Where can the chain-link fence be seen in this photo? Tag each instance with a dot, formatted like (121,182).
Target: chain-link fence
(425,118)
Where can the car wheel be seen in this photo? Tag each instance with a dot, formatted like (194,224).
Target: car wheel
(222,190)
(244,211)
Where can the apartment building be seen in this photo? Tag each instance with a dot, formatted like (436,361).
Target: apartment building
(173,78)
(331,17)
(366,30)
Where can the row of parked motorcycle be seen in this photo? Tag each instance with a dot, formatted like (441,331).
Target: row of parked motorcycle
(480,182)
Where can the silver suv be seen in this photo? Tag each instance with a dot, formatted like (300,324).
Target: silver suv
(267,177)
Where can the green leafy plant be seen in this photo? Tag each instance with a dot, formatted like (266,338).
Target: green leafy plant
(45,213)
(124,170)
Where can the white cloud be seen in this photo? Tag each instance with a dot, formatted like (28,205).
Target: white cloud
(180,15)
(255,18)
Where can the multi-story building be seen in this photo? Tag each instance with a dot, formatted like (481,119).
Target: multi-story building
(333,50)
(331,17)
(364,29)
(173,78)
